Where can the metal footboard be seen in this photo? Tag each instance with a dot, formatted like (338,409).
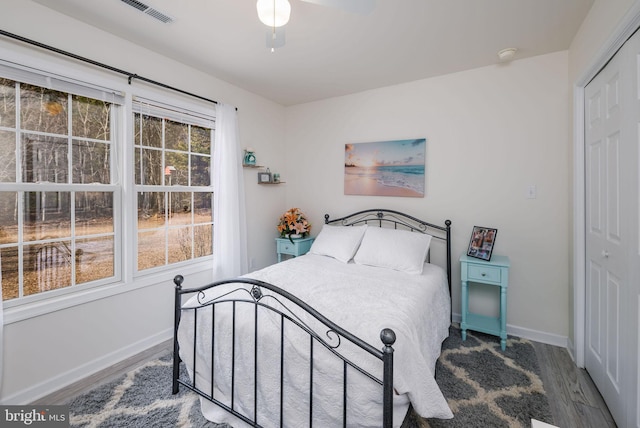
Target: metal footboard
(288,308)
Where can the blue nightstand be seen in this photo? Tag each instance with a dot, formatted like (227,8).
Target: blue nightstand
(299,247)
(494,272)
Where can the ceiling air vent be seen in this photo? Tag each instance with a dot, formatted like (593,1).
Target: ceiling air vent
(154,13)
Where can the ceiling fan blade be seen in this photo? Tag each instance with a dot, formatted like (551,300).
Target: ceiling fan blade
(275,38)
(361,7)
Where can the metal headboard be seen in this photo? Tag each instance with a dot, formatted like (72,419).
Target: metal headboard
(396,219)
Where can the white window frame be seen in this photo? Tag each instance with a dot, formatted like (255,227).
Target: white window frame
(179,114)
(48,80)
(124,219)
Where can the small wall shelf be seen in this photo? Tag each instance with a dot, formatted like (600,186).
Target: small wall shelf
(274,182)
(251,166)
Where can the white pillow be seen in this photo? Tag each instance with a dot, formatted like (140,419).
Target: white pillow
(339,242)
(394,249)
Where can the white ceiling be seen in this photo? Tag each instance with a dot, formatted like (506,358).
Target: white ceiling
(330,52)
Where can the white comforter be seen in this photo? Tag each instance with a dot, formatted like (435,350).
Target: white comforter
(361,299)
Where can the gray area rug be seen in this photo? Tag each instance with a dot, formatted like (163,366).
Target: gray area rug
(484,386)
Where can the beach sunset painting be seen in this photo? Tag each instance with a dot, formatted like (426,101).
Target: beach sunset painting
(385,168)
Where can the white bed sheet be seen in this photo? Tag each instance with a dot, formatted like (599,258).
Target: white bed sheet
(361,299)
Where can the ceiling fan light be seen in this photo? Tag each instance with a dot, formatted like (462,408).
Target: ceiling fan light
(273,13)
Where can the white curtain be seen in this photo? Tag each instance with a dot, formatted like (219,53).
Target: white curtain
(229,228)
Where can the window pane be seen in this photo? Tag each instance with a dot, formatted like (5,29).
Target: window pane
(177,168)
(202,207)
(149,170)
(136,129)
(8,217)
(7,103)
(179,207)
(46,267)
(150,210)
(9,271)
(91,118)
(43,110)
(200,140)
(200,170)
(203,240)
(174,226)
(49,140)
(94,259)
(151,249)
(7,156)
(91,162)
(137,166)
(180,244)
(44,158)
(151,132)
(94,213)
(176,136)
(47,215)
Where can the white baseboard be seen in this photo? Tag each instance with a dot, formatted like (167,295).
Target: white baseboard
(571,347)
(51,385)
(527,333)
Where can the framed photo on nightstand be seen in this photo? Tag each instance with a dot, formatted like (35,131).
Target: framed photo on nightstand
(481,243)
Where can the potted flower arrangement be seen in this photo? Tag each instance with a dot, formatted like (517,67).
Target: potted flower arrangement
(293,224)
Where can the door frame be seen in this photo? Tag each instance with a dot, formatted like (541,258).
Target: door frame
(628,25)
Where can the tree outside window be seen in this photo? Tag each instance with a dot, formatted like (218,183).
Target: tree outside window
(56,196)
(173,179)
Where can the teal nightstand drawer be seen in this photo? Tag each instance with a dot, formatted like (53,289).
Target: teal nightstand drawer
(483,273)
(296,248)
(286,247)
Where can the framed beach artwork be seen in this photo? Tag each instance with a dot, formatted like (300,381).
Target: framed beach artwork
(385,168)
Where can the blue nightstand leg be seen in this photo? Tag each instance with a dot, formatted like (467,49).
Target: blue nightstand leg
(503,317)
(465,309)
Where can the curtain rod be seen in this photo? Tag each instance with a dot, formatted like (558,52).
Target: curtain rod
(130,75)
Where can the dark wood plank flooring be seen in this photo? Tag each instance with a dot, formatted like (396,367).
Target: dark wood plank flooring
(574,399)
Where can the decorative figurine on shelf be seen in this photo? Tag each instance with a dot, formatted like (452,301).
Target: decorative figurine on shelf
(249,157)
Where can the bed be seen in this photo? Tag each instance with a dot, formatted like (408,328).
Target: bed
(346,335)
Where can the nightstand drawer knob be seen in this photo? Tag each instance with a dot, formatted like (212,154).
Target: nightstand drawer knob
(484,273)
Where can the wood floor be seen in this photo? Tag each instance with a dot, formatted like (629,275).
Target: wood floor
(574,400)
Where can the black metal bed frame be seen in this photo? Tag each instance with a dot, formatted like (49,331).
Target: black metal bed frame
(286,305)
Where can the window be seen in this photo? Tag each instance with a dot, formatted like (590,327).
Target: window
(57,194)
(173,185)
(62,210)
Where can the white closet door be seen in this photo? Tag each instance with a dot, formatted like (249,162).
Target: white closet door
(633,195)
(611,354)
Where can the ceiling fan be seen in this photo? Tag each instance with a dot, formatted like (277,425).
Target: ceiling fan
(275,14)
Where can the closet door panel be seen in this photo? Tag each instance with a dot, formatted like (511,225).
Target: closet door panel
(607,233)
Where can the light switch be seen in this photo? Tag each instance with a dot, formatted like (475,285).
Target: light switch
(531,192)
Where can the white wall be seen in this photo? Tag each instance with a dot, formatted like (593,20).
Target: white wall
(602,19)
(491,132)
(43,353)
